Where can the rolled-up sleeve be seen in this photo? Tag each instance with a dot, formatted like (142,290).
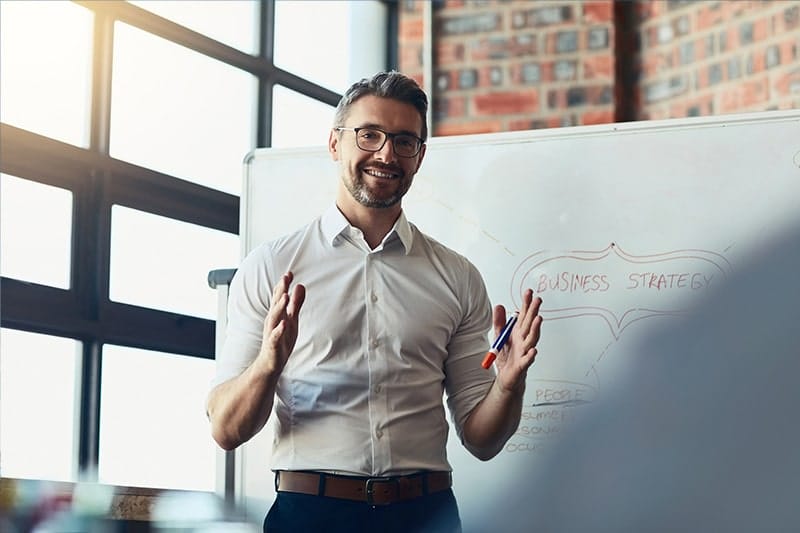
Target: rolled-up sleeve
(248,303)
(466,381)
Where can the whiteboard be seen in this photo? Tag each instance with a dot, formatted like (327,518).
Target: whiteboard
(617,227)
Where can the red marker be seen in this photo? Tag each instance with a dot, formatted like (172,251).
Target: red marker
(500,341)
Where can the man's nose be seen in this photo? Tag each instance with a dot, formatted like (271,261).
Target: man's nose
(386,153)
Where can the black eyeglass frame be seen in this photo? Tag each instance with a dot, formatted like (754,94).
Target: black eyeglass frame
(386,136)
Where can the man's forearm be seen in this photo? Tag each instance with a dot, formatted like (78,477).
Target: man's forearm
(493,421)
(239,407)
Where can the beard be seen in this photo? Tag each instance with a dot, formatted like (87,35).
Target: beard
(368,197)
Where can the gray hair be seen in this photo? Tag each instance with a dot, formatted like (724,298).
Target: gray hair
(388,84)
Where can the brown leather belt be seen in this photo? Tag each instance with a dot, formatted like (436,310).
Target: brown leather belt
(372,490)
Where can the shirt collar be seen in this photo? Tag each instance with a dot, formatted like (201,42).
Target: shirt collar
(334,225)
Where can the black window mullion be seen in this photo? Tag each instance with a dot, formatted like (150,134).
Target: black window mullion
(392,35)
(89,423)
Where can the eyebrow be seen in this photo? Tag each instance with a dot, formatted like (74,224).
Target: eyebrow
(379,127)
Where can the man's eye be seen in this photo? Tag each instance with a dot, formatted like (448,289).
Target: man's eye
(368,134)
(407,142)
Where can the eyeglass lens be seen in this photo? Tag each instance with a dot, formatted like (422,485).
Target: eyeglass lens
(373,140)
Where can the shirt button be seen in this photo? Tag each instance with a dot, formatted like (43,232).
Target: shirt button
(375,343)
(374,297)
(378,433)
(378,389)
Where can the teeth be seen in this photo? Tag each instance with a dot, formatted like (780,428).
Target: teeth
(379,174)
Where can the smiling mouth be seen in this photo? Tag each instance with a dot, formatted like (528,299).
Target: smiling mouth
(382,174)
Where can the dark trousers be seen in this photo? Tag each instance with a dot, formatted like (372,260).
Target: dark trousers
(292,513)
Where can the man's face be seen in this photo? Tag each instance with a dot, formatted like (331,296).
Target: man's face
(377,179)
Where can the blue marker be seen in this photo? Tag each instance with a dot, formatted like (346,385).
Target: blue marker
(498,344)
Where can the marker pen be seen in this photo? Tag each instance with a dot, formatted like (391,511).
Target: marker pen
(500,341)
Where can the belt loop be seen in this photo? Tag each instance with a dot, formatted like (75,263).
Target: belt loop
(424,483)
(277,480)
(321,487)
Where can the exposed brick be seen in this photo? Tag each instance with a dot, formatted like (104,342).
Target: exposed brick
(526,124)
(708,16)
(744,96)
(604,116)
(506,103)
(468,128)
(788,52)
(701,79)
(788,83)
(455,106)
(523,45)
(598,67)
(410,58)
(600,94)
(410,30)
(759,62)
(598,12)
(449,52)
(760,30)
(451,4)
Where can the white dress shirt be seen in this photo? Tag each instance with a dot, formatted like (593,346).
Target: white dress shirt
(383,334)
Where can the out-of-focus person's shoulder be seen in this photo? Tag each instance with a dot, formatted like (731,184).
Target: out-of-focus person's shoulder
(700,435)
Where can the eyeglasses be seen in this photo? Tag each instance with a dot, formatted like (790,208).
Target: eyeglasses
(373,139)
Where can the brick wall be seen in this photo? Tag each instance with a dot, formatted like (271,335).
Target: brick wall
(410,37)
(516,64)
(501,65)
(717,57)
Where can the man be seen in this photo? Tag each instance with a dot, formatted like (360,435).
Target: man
(356,367)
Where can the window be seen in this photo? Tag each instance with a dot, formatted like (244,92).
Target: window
(41,252)
(232,23)
(196,123)
(299,120)
(124,130)
(37,405)
(340,42)
(45,88)
(161,438)
(163,263)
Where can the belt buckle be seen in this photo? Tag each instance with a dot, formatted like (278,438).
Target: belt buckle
(370,489)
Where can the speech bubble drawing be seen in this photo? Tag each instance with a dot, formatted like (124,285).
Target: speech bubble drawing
(619,287)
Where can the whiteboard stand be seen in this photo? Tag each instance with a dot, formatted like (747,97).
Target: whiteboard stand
(229,465)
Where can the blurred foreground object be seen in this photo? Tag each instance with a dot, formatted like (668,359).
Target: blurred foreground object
(701,435)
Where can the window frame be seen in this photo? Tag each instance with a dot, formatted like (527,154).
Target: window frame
(97,181)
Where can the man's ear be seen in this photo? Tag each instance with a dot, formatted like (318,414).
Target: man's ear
(333,144)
